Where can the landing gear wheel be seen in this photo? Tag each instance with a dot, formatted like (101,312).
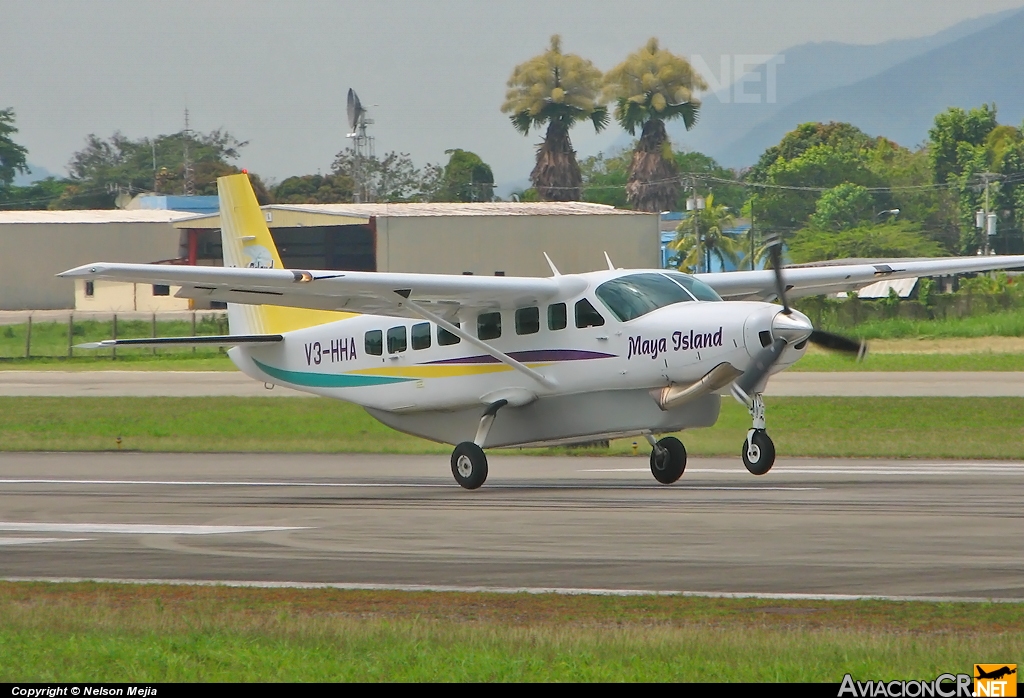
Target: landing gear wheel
(758,452)
(469,465)
(668,460)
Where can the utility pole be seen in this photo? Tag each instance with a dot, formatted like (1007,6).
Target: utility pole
(695,204)
(189,175)
(985,224)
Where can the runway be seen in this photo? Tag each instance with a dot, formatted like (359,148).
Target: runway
(233,383)
(812,526)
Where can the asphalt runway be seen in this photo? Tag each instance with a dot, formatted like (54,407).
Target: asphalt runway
(811,526)
(233,383)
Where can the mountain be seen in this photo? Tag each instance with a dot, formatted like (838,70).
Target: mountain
(901,103)
(35,174)
(726,128)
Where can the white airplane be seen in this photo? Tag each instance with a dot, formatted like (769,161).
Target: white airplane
(478,361)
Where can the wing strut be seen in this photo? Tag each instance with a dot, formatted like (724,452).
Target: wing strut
(459,332)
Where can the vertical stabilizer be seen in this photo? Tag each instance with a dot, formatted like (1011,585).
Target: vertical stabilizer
(247,242)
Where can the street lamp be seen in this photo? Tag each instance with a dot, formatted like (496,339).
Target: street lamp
(890,212)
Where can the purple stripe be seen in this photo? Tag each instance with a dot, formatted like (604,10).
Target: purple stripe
(534,355)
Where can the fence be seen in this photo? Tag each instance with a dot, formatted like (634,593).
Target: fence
(55,334)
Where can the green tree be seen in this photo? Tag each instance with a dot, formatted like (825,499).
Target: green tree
(843,207)
(465,178)
(604,178)
(837,135)
(557,89)
(649,88)
(37,196)
(866,241)
(314,189)
(953,128)
(12,155)
(392,178)
(698,245)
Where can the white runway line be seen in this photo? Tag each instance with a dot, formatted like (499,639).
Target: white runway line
(38,541)
(564,591)
(908,469)
(179,530)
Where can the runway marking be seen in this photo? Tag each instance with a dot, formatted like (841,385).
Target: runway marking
(243,483)
(174,530)
(565,591)
(37,541)
(925,469)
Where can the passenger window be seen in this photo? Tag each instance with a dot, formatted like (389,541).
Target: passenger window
(421,336)
(374,342)
(488,325)
(397,340)
(557,316)
(446,338)
(528,320)
(587,315)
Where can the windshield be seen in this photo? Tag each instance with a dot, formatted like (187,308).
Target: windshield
(700,290)
(629,297)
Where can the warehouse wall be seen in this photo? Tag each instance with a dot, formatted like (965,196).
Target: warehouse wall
(515,244)
(32,253)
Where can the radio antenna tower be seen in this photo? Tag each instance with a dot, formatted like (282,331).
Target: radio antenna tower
(190,178)
(362,148)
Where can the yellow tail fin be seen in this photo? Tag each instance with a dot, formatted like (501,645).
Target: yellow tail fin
(247,242)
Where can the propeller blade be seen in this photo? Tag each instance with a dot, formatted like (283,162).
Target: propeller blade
(763,362)
(775,255)
(835,342)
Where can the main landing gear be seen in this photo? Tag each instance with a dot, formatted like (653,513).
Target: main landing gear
(758,449)
(668,459)
(469,463)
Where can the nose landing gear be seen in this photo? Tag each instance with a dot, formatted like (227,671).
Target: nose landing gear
(758,449)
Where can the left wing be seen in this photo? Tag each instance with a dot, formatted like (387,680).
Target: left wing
(810,281)
(380,293)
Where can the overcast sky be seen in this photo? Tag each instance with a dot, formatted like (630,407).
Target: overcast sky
(433,73)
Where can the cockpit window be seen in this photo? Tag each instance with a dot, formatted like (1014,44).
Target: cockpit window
(629,297)
(700,290)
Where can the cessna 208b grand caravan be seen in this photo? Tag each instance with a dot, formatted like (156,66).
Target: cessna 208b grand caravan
(478,361)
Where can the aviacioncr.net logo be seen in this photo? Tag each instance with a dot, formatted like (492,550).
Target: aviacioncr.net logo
(259,257)
(944,686)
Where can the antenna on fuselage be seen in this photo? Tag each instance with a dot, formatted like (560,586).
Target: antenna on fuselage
(554,269)
(611,267)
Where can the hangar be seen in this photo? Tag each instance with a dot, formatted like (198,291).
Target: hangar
(471,238)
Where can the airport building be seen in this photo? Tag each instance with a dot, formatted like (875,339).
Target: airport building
(472,238)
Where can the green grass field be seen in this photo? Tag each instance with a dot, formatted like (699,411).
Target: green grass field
(136,633)
(1007,323)
(912,362)
(864,427)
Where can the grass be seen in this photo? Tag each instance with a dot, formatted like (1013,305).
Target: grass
(827,362)
(839,427)
(149,633)
(1006,323)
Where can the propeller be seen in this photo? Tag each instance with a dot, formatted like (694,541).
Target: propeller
(767,357)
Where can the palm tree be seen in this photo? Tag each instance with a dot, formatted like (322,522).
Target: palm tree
(702,237)
(650,87)
(556,89)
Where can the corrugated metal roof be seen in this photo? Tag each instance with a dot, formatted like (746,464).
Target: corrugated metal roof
(495,208)
(82,216)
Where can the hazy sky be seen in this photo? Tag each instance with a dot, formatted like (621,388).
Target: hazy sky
(433,73)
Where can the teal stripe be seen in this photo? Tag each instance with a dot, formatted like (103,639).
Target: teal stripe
(326,380)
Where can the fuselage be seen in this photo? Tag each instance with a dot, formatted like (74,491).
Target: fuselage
(581,341)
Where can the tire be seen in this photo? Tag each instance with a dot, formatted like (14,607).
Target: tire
(760,456)
(469,465)
(670,466)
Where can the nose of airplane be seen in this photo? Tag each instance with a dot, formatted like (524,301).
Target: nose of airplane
(794,328)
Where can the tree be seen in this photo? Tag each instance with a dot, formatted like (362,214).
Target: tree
(842,207)
(392,178)
(604,178)
(465,178)
(953,128)
(105,168)
(314,189)
(12,155)
(650,87)
(697,247)
(837,135)
(556,89)
(866,241)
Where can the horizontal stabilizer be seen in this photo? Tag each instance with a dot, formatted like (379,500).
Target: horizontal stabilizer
(228,340)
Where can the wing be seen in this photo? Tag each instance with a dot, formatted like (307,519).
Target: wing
(810,281)
(379,293)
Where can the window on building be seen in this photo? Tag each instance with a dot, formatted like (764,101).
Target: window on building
(161,290)
(397,340)
(90,289)
(587,315)
(488,325)
(557,316)
(374,343)
(421,336)
(446,338)
(528,320)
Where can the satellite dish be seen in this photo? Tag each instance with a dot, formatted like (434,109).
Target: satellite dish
(355,110)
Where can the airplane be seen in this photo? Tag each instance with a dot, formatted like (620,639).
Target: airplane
(486,362)
(995,674)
